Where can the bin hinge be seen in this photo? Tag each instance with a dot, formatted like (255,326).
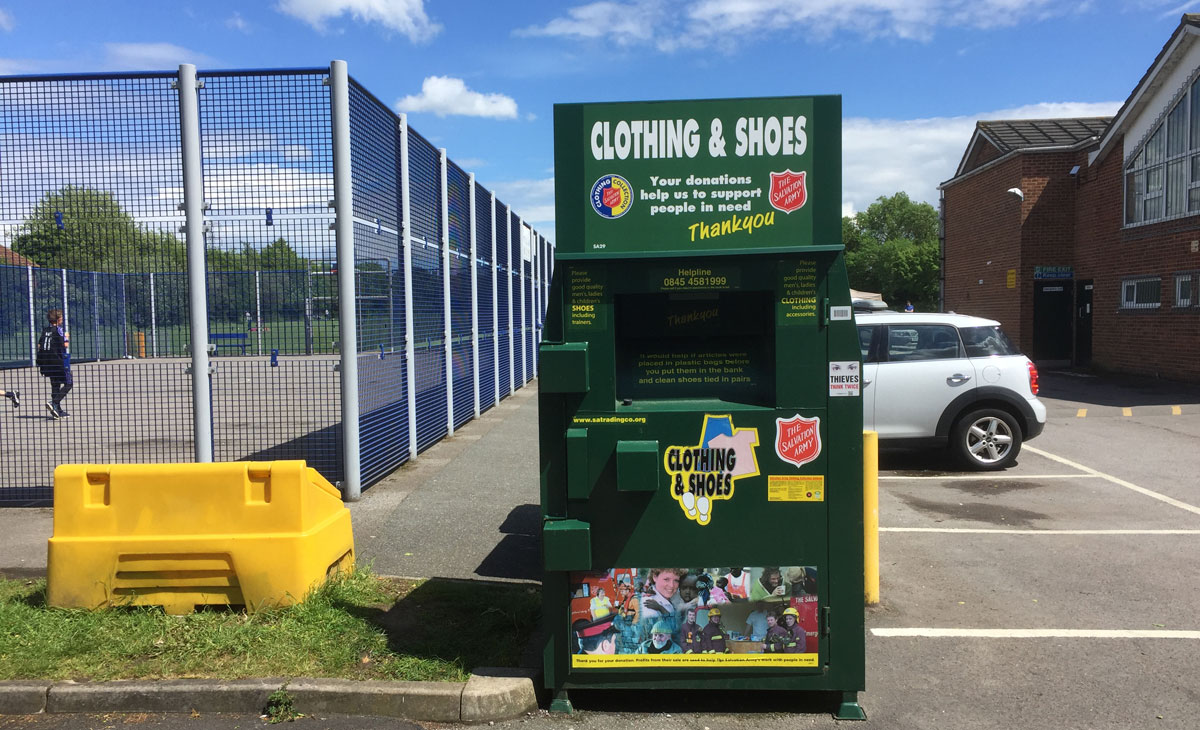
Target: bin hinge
(825,621)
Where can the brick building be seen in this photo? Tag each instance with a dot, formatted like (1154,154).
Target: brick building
(1083,235)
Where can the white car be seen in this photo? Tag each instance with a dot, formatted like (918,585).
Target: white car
(948,379)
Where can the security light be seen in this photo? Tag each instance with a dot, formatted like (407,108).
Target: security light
(1017,192)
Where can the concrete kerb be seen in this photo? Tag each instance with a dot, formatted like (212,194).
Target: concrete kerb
(496,695)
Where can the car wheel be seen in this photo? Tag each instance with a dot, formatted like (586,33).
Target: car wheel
(986,440)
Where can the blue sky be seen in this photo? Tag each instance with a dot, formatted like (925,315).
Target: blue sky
(481,77)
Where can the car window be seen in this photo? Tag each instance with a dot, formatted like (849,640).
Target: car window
(922,342)
(985,341)
(865,335)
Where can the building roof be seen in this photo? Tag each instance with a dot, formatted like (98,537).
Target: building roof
(1021,134)
(998,140)
(1172,51)
(12,258)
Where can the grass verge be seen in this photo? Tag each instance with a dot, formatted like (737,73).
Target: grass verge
(359,626)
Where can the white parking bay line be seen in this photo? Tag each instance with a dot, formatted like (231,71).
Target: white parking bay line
(1117,480)
(1038,633)
(985,477)
(1001,531)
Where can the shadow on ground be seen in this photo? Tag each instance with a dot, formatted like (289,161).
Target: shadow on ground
(518,555)
(1124,391)
(473,623)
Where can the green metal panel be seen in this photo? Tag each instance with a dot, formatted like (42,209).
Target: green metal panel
(568,368)
(708,433)
(637,466)
(566,545)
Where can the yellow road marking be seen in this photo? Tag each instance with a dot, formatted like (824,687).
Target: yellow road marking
(1176,411)
(1126,411)
(1081,413)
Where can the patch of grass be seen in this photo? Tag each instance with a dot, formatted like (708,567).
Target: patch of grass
(358,626)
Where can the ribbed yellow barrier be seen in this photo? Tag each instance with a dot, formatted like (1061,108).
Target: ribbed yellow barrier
(181,535)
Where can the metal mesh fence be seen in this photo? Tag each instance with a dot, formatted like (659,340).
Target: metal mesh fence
(92,223)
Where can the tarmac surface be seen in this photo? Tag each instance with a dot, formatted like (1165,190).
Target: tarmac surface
(1060,593)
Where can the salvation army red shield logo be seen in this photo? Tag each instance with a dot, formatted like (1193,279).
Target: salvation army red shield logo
(798,439)
(787,191)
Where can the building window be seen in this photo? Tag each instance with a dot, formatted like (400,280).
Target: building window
(1143,293)
(1163,179)
(1187,287)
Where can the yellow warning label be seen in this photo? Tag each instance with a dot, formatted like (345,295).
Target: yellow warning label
(796,488)
(605,661)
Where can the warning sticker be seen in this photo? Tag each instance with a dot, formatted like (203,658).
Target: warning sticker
(796,488)
(843,378)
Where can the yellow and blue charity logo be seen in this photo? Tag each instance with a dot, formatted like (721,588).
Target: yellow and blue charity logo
(612,196)
(703,473)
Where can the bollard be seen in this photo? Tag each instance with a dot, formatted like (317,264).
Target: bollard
(871,516)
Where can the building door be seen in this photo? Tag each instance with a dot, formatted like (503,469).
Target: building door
(1083,323)
(1052,320)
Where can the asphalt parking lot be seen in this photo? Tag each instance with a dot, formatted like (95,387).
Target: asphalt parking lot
(1060,593)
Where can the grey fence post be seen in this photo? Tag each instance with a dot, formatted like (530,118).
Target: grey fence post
(536,241)
(474,297)
(343,205)
(193,205)
(512,360)
(153,320)
(33,331)
(495,308)
(258,306)
(66,309)
(521,296)
(406,246)
(447,331)
(95,316)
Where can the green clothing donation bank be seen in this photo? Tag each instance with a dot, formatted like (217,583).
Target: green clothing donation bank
(700,419)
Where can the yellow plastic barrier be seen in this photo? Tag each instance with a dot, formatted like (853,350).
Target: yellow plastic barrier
(871,517)
(180,535)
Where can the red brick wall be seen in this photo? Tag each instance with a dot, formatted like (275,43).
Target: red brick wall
(1065,221)
(983,241)
(1160,343)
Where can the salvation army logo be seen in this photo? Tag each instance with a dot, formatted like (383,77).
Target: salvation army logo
(787,191)
(612,196)
(798,439)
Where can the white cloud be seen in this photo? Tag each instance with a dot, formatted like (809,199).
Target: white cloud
(403,16)
(532,200)
(883,156)
(470,163)
(623,23)
(237,22)
(444,96)
(151,56)
(673,24)
(6,21)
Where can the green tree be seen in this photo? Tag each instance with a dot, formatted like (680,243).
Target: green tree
(892,248)
(85,229)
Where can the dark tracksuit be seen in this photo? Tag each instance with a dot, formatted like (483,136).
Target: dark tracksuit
(54,362)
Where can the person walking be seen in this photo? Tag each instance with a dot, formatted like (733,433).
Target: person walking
(54,362)
(12,395)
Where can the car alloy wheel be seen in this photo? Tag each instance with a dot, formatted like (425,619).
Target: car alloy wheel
(987,439)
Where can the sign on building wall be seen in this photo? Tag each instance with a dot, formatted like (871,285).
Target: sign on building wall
(690,176)
(1054,272)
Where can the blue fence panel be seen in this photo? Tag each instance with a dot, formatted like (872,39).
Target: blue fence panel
(429,335)
(487,331)
(379,278)
(458,196)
